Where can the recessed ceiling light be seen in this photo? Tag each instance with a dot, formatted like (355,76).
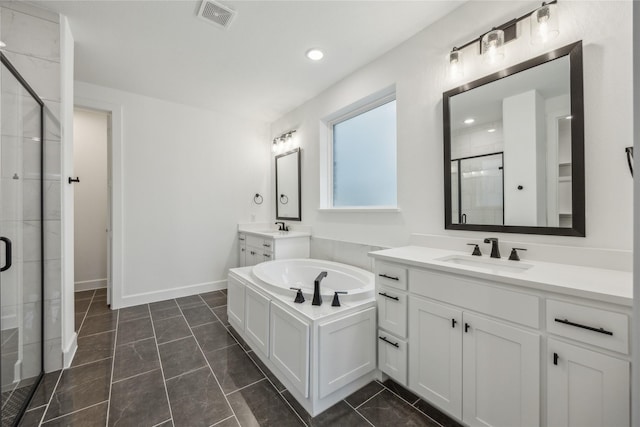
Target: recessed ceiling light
(491,130)
(469,121)
(569,117)
(315,54)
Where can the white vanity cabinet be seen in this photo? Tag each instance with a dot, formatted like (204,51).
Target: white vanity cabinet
(466,364)
(256,247)
(493,349)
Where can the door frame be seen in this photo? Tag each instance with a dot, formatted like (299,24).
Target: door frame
(114,168)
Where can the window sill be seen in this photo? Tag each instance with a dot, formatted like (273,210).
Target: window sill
(361,210)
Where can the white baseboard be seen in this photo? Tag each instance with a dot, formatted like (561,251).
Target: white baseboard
(70,351)
(165,294)
(89,285)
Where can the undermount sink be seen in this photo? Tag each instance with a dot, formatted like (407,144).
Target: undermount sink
(493,265)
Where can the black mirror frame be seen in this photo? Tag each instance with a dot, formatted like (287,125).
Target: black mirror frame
(574,51)
(299,217)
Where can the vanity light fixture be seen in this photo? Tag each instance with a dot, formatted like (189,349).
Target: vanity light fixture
(544,23)
(544,27)
(315,54)
(283,142)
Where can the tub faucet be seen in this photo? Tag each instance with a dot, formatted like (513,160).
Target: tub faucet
(495,250)
(317,300)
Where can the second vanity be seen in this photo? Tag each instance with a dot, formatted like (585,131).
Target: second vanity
(506,343)
(259,245)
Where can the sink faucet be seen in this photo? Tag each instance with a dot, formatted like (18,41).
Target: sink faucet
(317,300)
(281,226)
(495,250)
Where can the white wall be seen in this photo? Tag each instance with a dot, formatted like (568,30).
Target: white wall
(188,177)
(90,210)
(417,68)
(635,326)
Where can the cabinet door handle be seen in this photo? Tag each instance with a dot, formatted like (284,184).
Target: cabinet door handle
(242,250)
(253,253)
(555,359)
(266,256)
(395,344)
(388,277)
(242,239)
(266,245)
(466,327)
(578,325)
(388,296)
(453,323)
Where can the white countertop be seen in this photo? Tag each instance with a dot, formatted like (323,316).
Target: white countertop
(275,234)
(611,286)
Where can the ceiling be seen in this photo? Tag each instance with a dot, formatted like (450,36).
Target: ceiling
(256,68)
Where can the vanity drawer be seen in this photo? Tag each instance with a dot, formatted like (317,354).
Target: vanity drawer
(392,356)
(497,302)
(590,325)
(392,310)
(260,243)
(391,275)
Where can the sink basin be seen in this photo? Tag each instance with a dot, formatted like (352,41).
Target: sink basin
(487,264)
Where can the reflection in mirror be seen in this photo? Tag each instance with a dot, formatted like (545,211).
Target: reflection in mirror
(514,149)
(288,193)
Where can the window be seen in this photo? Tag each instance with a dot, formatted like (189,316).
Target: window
(363,166)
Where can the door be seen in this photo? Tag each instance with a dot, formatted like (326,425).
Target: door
(435,354)
(21,248)
(501,380)
(586,388)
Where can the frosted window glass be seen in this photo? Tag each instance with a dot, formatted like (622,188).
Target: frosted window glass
(364,159)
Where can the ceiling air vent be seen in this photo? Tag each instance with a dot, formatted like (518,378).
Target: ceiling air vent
(216,13)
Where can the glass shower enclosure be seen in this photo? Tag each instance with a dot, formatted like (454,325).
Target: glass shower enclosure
(21,242)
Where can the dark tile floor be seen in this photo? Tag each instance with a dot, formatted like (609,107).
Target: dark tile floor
(178,363)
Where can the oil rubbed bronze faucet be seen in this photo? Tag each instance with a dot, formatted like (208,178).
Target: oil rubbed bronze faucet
(495,250)
(317,299)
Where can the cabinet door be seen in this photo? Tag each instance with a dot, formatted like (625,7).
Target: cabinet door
(253,256)
(235,302)
(347,350)
(392,311)
(586,388)
(290,348)
(435,354)
(501,366)
(392,356)
(257,320)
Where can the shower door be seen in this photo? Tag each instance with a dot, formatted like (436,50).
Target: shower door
(21,244)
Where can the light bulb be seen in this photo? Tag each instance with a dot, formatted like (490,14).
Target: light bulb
(544,23)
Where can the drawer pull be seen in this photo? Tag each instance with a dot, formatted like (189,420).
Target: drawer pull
(266,245)
(395,344)
(266,256)
(388,296)
(242,239)
(388,277)
(590,328)
(466,327)
(555,358)
(453,323)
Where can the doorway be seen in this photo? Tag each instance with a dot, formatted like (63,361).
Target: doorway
(92,200)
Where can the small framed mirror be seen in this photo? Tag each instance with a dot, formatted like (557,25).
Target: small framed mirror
(288,189)
(514,149)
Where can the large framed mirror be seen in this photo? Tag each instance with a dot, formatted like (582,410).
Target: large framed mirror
(288,190)
(514,149)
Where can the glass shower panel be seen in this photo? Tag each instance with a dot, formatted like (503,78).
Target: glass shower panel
(481,190)
(21,246)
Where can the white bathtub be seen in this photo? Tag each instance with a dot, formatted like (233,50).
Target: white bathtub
(278,276)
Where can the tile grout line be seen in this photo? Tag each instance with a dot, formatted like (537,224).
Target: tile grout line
(279,393)
(50,397)
(164,381)
(406,401)
(208,364)
(73,412)
(356,408)
(85,313)
(93,361)
(113,365)
(357,412)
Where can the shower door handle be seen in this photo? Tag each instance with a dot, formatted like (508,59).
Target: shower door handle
(7,264)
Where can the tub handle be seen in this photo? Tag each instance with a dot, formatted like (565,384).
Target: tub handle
(388,296)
